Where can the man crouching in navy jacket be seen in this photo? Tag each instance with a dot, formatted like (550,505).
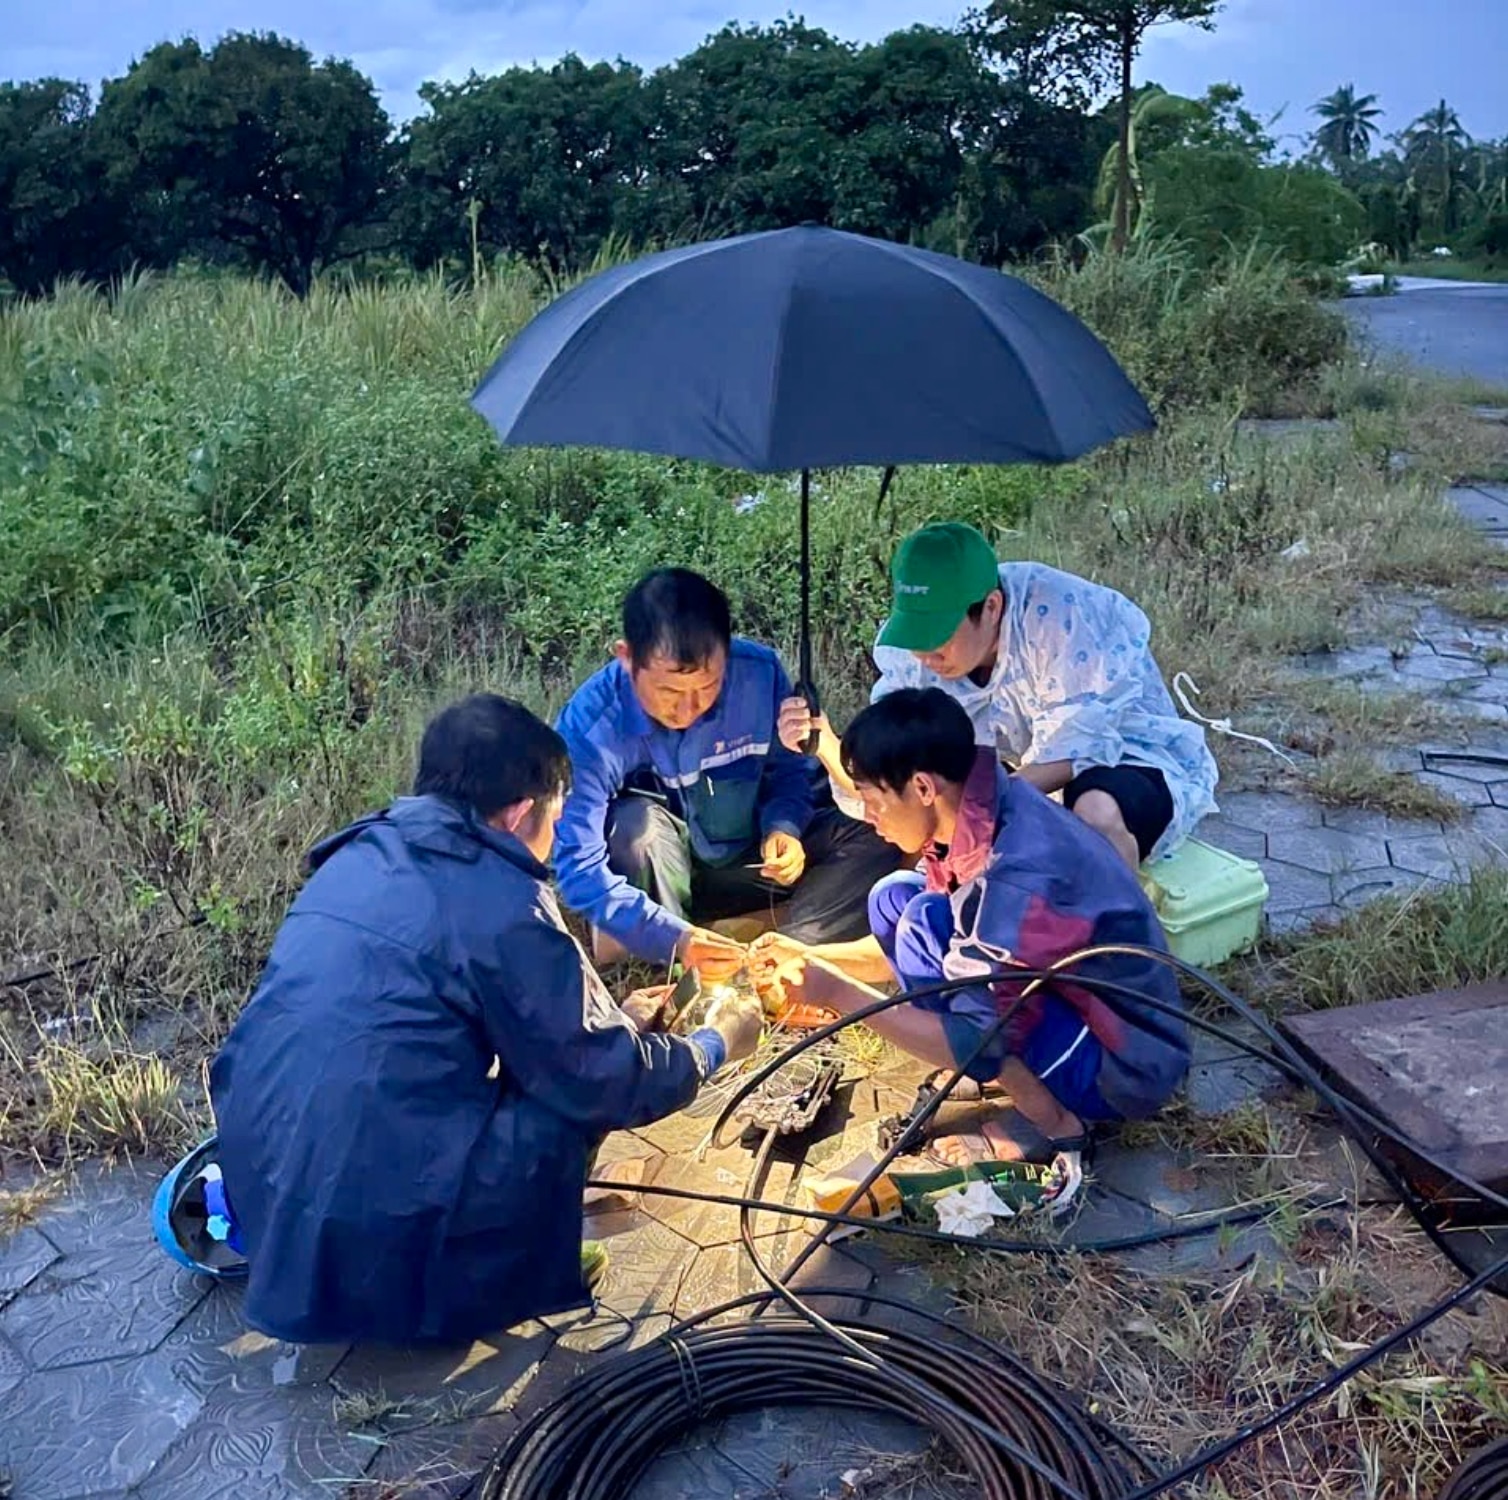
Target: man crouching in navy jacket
(408,1104)
(685,807)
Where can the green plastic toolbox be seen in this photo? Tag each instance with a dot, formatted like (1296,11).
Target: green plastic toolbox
(1208,900)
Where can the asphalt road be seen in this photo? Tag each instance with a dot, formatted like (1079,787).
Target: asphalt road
(1452,328)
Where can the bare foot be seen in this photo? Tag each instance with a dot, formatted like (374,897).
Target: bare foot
(1007,1136)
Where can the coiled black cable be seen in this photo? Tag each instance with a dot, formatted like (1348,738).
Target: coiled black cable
(598,1441)
(988,1438)
(1484,1475)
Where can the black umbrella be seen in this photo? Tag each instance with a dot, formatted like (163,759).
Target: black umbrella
(810,348)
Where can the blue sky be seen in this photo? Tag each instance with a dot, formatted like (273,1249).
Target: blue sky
(1284,53)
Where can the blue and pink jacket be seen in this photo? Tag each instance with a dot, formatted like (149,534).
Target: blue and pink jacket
(1029,884)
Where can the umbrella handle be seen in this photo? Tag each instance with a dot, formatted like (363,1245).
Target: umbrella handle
(807,689)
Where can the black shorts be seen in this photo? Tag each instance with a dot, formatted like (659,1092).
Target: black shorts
(1141,793)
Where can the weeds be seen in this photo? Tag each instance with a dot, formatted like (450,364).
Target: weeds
(1354,779)
(1435,939)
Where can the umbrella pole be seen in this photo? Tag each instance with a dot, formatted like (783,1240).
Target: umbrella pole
(806,687)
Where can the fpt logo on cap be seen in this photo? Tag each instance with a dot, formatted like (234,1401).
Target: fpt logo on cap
(913,588)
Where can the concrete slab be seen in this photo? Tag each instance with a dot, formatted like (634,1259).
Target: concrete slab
(433,1463)
(99,1305)
(1433,1064)
(276,1445)
(23,1257)
(91,1430)
(1268,812)
(1293,888)
(1217,829)
(1327,851)
(435,1383)
(1426,666)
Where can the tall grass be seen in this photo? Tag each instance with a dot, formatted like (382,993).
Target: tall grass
(251,542)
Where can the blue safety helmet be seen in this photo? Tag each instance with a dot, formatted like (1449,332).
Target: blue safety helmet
(192,1220)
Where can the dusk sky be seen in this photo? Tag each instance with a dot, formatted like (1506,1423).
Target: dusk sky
(1284,53)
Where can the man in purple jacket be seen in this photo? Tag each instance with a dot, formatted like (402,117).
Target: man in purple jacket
(1010,879)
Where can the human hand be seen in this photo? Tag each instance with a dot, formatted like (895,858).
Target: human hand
(645,1007)
(784,858)
(806,979)
(711,954)
(739,1018)
(796,722)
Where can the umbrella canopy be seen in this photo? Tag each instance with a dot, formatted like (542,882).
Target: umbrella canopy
(810,348)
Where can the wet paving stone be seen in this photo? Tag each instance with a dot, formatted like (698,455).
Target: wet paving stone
(647,1263)
(1327,850)
(1248,843)
(213,1351)
(92,1430)
(95,1305)
(420,1385)
(272,1445)
(23,1257)
(1359,887)
(1291,888)
(434,1463)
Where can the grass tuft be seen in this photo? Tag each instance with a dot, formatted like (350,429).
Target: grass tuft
(1352,778)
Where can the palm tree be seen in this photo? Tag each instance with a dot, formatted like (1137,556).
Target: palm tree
(1346,135)
(1435,147)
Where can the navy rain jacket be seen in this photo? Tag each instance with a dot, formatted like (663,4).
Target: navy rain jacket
(386,1186)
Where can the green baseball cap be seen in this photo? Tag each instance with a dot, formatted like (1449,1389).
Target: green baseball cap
(939,574)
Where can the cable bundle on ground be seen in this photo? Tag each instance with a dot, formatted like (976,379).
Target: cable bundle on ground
(1014,1435)
(1484,1476)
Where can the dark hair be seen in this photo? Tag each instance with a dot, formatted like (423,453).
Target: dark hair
(678,614)
(976,611)
(910,730)
(487,752)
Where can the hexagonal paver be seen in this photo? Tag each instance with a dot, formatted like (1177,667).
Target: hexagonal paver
(270,1445)
(1166,1181)
(108,1205)
(1493,690)
(1358,887)
(92,1430)
(1327,850)
(726,1273)
(23,1257)
(1264,812)
(802,1452)
(1491,825)
(647,1263)
(1290,888)
(1482,505)
(1425,666)
(1300,919)
(214,1351)
(1377,824)
(103,1304)
(434,1463)
(13,1368)
(1449,857)
(436,1383)
(695,1467)
(1219,1087)
(1353,662)
(1249,843)
(1471,793)
(678,1133)
(725,1173)
(624,1145)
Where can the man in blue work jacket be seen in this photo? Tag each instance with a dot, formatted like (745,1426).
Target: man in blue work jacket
(408,1104)
(685,807)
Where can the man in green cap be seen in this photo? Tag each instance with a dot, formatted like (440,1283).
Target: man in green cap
(1056,674)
